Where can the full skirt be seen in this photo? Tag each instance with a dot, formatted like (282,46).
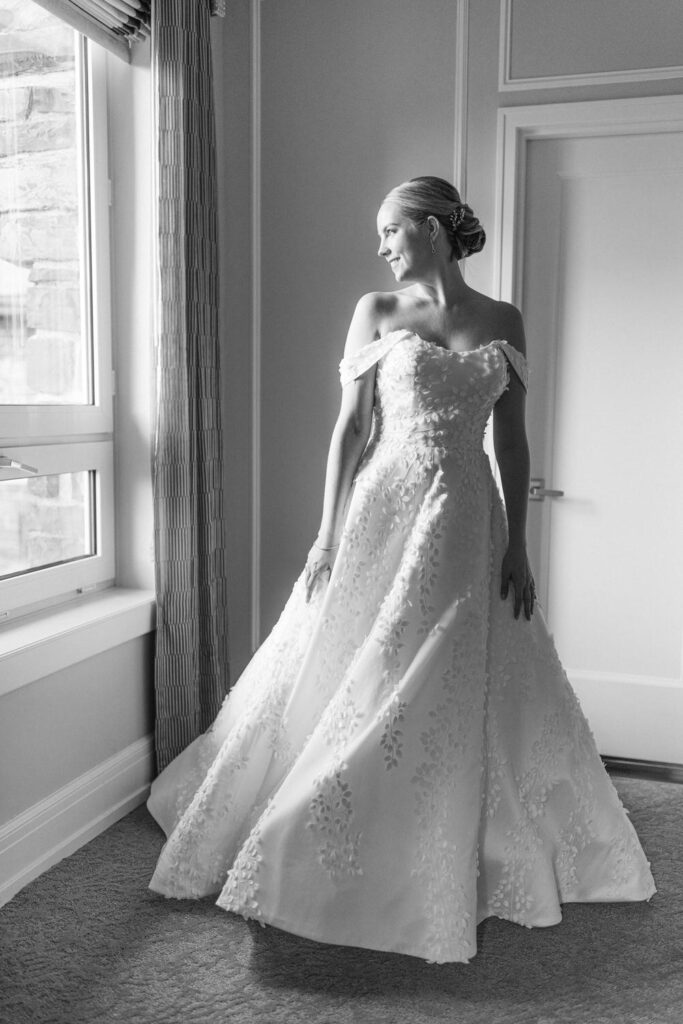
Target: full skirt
(401,758)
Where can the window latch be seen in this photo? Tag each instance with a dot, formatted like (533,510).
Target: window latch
(10,466)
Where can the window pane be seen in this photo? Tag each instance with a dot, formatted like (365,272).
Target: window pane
(45,520)
(44,328)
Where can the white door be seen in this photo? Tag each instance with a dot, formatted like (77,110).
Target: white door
(602,295)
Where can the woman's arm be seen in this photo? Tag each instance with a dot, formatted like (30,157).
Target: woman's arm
(512,455)
(349,438)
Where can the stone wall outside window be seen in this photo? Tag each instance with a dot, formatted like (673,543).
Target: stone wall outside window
(44,520)
(41,350)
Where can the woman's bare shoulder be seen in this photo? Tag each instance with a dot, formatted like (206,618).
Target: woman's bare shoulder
(373,311)
(377,304)
(509,325)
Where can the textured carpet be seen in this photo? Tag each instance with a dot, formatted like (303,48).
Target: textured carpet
(89,942)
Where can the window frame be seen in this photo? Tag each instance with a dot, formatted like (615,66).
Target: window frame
(69,438)
(39,587)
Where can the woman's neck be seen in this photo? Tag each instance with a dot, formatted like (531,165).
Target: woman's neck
(446,288)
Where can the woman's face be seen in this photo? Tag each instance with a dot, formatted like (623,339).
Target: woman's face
(402,243)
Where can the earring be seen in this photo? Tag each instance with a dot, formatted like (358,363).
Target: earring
(431,242)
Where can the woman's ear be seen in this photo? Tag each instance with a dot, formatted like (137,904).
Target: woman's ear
(432,227)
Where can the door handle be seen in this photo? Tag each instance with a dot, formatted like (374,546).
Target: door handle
(539,492)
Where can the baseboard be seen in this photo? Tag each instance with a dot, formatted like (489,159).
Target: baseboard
(657,771)
(69,818)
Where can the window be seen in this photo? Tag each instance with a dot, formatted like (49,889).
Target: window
(56,441)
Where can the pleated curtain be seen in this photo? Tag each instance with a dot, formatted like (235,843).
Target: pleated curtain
(191,660)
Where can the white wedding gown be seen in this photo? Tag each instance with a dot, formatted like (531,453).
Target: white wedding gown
(402,758)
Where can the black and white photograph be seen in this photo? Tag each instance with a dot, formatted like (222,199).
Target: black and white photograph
(341,546)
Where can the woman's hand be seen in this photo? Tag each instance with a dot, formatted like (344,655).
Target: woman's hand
(318,565)
(515,568)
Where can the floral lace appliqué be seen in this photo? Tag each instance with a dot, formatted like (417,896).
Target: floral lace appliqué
(400,745)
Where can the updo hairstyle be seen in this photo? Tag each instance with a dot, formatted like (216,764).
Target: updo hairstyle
(428,196)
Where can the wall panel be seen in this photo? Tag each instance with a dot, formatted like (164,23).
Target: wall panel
(596,40)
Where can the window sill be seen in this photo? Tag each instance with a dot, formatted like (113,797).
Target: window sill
(55,639)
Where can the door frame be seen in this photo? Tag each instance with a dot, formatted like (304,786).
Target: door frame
(655,704)
(519,125)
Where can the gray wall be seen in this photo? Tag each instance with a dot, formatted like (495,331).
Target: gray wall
(356,97)
(61,726)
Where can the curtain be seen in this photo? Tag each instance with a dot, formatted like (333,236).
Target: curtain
(115,24)
(191,660)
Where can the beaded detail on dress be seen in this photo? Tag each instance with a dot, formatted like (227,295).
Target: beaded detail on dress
(402,758)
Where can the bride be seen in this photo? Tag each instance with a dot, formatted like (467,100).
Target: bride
(404,756)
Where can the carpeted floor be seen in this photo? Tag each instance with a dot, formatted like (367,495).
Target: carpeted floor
(89,942)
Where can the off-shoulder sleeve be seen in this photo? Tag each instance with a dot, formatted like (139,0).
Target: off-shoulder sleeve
(353,366)
(517,361)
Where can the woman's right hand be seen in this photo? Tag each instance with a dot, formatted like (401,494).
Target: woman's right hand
(319,564)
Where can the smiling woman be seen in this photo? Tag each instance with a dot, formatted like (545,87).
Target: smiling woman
(404,756)
(407,204)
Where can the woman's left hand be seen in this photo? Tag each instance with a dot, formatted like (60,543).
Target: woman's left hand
(516,569)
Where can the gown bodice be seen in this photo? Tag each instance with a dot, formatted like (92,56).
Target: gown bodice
(429,395)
